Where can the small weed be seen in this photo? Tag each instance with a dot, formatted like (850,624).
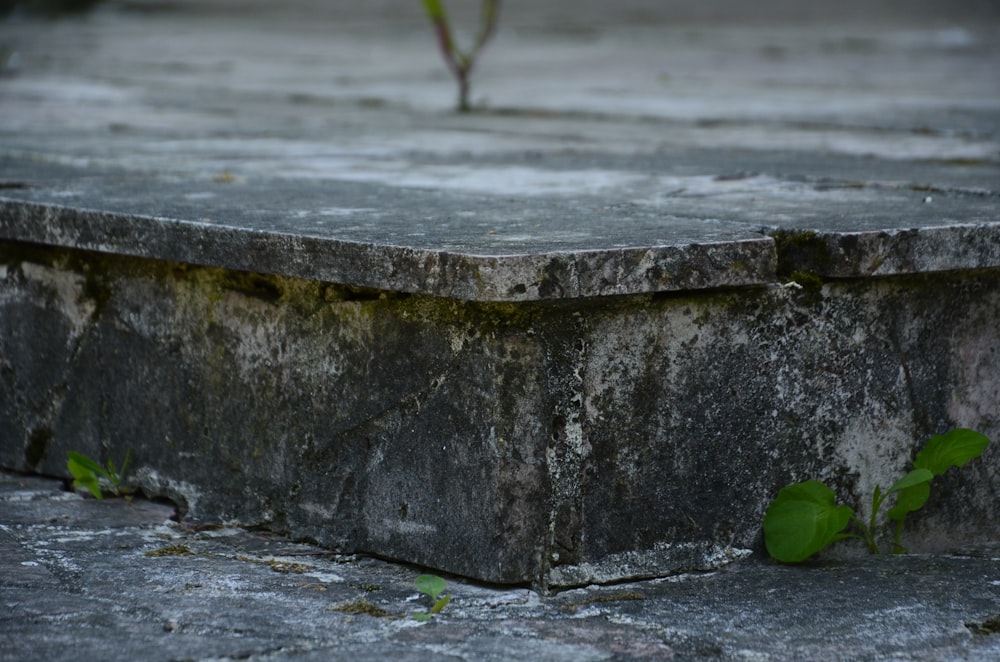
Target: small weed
(460,62)
(88,474)
(432,586)
(804,518)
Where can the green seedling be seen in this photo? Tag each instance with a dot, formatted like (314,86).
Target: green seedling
(805,518)
(460,62)
(87,474)
(432,586)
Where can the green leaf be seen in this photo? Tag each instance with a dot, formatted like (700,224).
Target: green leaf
(434,9)
(440,604)
(90,484)
(116,476)
(803,519)
(913,490)
(78,470)
(915,477)
(86,463)
(422,616)
(84,478)
(952,449)
(431,585)
(910,498)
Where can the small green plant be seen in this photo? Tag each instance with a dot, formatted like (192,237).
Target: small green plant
(432,586)
(87,474)
(460,62)
(805,518)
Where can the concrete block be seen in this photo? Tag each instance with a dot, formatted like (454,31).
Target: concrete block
(559,443)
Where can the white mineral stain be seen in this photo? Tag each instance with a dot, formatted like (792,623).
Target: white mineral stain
(325,577)
(68,289)
(410,528)
(344,211)
(322,511)
(148,476)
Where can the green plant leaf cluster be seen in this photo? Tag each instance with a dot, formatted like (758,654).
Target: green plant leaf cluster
(87,474)
(804,518)
(431,586)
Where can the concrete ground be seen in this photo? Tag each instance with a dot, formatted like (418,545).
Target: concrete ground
(82,579)
(761,111)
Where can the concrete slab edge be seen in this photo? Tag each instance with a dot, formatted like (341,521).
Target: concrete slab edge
(772,258)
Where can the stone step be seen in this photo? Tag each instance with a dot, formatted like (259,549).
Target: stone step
(581,339)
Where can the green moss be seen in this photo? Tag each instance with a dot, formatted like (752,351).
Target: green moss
(258,286)
(987,627)
(966,162)
(360,606)
(284,567)
(801,252)
(808,281)
(171,550)
(471,318)
(287,567)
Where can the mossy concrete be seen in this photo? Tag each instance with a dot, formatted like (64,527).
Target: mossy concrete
(554,443)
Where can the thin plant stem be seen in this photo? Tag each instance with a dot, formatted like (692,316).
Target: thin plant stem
(866,535)
(461,63)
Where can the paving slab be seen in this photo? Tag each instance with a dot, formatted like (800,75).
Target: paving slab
(473,246)
(120,581)
(669,135)
(673,260)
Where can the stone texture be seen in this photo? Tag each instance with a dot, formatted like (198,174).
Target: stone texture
(454,253)
(695,408)
(479,247)
(117,581)
(579,335)
(514,443)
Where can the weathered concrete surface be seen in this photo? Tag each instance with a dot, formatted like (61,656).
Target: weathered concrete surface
(82,579)
(619,151)
(509,442)
(497,248)
(582,334)
(695,407)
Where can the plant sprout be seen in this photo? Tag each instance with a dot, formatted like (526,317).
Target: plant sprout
(805,518)
(432,586)
(87,474)
(460,62)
